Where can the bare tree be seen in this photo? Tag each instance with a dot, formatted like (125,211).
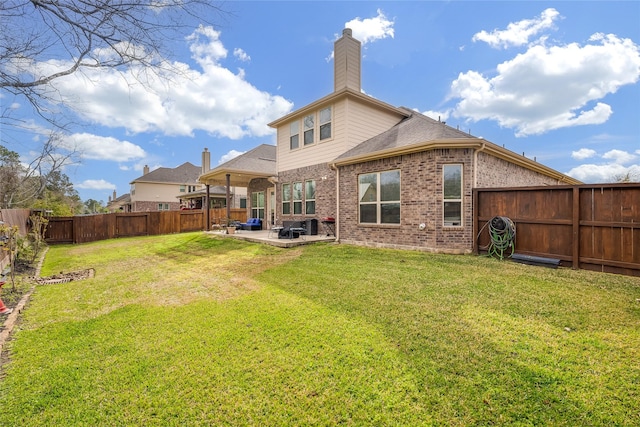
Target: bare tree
(629,176)
(72,35)
(21,184)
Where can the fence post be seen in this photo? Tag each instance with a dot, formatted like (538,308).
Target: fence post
(575,253)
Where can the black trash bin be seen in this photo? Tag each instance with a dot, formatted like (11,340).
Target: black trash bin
(312,227)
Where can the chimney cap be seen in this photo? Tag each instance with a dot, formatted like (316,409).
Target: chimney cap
(347,32)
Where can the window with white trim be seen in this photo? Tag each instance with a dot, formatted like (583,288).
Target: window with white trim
(310,197)
(379,197)
(452,195)
(325,123)
(286,199)
(294,135)
(257,204)
(308,126)
(163,206)
(297,198)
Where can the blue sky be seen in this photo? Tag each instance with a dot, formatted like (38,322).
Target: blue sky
(557,81)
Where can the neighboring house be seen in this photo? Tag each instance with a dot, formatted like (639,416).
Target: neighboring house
(177,188)
(217,198)
(390,176)
(119,204)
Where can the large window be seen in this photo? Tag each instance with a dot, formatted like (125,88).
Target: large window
(294,135)
(452,195)
(379,195)
(257,204)
(297,198)
(325,123)
(310,197)
(308,128)
(286,199)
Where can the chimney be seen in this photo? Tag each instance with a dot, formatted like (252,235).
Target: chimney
(346,60)
(114,195)
(206,161)
(145,170)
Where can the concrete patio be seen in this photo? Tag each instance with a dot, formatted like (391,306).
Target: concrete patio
(271,238)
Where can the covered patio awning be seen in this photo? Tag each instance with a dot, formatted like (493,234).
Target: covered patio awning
(238,172)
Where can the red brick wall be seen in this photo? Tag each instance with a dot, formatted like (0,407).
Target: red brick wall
(421,203)
(325,191)
(495,172)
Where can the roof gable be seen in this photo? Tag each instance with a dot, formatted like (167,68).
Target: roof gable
(186,173)
(413,130)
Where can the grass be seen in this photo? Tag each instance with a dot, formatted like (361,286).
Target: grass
(193,330)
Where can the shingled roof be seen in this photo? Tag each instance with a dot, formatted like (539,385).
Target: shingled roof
(186,173)
(261,159)
(416,129)
(259,162)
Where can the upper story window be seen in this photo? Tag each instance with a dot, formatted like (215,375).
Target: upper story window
(294,135)
(183,188)
(452,195)
(325,123)
(317,123)
(308,127)
(379,197)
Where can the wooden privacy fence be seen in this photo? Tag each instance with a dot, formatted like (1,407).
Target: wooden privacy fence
(14,217)
(90,228)
(592,227)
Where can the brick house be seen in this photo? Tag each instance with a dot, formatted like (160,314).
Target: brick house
(178,188)
(390,176)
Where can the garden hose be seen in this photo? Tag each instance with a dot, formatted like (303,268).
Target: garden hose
(502,232)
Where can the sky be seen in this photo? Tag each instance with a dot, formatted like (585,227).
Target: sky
(555,81)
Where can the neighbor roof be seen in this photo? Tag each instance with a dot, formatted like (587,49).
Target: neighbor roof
(186,173)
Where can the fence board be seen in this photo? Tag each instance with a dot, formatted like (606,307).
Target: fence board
(89,228)
(594,227)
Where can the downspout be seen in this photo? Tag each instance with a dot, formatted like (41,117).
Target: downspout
(475,164)
(337,214)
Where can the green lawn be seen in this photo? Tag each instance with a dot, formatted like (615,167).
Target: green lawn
(190,330)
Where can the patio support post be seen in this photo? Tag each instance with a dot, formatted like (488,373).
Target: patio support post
(228,196)
(207,214)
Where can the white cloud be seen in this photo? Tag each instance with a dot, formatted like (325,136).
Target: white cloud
(95,184)
(550,87)
(241,55)
(583,153)
(438,115)
(518,33)
(211,98)
(371,29)
(103,148)
(612,172)
(619,157)
(230,155)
